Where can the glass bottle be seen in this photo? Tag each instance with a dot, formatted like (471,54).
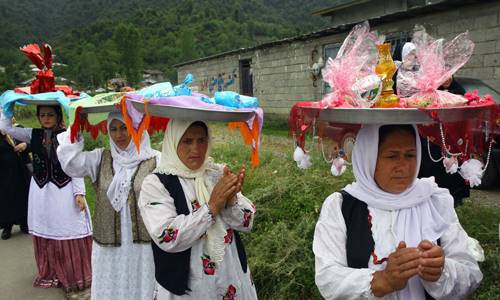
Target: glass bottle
(385,69)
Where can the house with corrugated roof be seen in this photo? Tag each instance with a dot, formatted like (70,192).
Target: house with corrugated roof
(286,71)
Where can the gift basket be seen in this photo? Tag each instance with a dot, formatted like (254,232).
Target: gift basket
(362,93)
(154,106)
(43,90)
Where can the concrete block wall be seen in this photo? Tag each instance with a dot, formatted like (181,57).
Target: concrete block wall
(282,76)
(208,74)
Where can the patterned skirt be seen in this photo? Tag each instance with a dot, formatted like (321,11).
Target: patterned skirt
(63,263)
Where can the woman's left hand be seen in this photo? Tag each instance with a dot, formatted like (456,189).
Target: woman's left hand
(431,262)
(80,202)
(241,177)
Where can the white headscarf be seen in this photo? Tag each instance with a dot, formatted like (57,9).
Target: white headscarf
(407,49)
(125,163)
(171,164)
(422,212)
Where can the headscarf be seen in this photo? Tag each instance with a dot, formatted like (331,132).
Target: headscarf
(171,164)
(407,49)
(422,212)
(125,163)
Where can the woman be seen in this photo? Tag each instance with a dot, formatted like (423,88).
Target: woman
(122,259)
(14,184)
(193,210)
(57,215)
(389,234)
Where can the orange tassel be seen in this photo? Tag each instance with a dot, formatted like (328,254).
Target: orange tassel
(250,137)
(136,134)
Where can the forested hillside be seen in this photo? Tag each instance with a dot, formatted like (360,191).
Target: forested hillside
(99,39)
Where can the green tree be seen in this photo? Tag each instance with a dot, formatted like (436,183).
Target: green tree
(88,67)
(5,83)
(187,44)
(110,60)
(128,40)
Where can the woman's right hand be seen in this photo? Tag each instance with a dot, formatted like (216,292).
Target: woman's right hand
(20,147)
(402,264)
(223,191)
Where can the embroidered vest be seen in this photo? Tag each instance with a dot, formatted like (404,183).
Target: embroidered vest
(46,167)
(107,225)
(172,269)
(359,243)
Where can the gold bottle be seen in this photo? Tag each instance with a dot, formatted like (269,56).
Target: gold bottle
(385,69)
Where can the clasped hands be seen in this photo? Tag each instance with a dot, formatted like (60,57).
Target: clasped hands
(224,192)
(426,260)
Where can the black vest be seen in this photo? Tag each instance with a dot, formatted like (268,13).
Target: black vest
(359,243)
(46,167)
(172,269)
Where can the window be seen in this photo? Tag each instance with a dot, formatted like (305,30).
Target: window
(329,51)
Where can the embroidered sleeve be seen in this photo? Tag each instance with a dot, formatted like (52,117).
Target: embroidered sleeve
(20,134)
(335,280)
(240,216)
(170,231)
(461,274)
(74,161)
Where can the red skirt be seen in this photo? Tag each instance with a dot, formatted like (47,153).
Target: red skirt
(63,263)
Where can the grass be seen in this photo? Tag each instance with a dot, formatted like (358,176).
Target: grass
(288,202)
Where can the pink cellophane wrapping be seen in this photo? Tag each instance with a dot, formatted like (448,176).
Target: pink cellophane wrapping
(356,59)
(436,62)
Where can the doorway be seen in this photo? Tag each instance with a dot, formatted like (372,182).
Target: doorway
(246,78)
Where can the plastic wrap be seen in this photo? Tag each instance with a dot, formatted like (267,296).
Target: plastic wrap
(162,89)
(434,63)
(355,60)
(233,99)
(183,88)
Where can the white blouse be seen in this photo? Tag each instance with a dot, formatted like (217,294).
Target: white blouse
(335,280)
(176,233)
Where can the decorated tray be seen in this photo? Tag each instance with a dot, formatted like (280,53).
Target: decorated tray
(101,103)
(189,113)
(401,115)
(106,108)
(39,102)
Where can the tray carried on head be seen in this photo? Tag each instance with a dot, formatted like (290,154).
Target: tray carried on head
(401,115)
(39,102)
(189,113)
(107,108)
(101,103)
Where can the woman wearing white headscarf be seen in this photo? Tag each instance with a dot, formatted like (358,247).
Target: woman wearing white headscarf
(122,259)
(389,234)
(193,211)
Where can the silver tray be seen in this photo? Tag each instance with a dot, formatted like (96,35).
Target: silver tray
(101,109)
(177,112)
(399,115)
(39,102)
